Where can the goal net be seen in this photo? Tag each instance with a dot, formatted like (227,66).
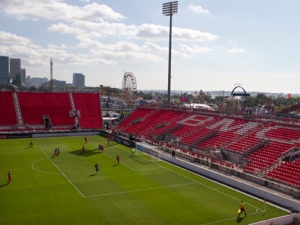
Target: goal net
(146,155)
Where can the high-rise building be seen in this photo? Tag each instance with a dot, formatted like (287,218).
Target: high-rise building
(18,80)
(4,69)
(15,67)
(28,81)
(78,80)
(23,76)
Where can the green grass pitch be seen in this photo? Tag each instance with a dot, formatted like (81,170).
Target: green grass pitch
(67,190)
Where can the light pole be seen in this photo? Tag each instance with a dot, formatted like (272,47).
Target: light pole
(169,9)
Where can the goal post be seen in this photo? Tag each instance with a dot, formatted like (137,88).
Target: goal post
(154,155)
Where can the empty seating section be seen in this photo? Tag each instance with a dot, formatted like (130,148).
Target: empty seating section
(165,129)
(8,114)
(182,130)
(155,119)
(287,172)
(88,104)
(266,156)
(139,113)
(193,137)
(244,144)
(217,141)
(191,125)
(35,105)
(284,133)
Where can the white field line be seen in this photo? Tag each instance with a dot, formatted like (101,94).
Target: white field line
(139,190)
(120,162)
(229,219)
(63,174)
(32,166)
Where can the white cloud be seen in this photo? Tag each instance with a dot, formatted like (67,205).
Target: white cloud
(198,9)
(194,35)
(155,48)
(188,51)
(162,32)
(34,55)
(65,29)
(143,32)
(119,50)
(237,50)
(57,10)
(62,46)
(129,55)
(97,38)
(8,38)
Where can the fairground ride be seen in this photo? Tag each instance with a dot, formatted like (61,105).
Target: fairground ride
(129,88)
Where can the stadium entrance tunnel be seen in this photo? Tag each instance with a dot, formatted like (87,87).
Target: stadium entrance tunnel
(47,121)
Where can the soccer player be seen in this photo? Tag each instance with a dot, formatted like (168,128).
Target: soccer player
(9,177)
(118,159)
(83,150)
(58,151)
(55,153)
(97,168)
(108,139)
(30,144)
(85,139)
(242,209)
(132,151)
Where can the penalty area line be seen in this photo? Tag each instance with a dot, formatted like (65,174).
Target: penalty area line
(63,174)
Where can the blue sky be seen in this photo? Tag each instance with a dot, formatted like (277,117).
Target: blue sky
(216,44)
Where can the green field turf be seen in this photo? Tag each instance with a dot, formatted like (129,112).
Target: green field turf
(66,189)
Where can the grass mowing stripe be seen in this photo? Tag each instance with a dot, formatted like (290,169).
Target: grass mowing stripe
(63,174)
(139,190)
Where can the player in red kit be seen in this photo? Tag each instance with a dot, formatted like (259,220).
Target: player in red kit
(9,177)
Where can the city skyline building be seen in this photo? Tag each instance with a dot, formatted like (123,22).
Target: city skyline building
(15,67)
(23,76)
(4,69)
(28,81)
(78,80)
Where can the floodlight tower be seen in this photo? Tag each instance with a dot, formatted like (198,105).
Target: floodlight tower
(169,9)
(51,75)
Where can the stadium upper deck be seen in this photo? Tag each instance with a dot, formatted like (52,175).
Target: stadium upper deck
(36,111)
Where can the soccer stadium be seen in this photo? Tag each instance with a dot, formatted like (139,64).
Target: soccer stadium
(160,164)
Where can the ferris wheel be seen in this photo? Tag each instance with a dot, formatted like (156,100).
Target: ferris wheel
(129,87)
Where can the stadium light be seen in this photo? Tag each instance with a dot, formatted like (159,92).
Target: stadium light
(169,9)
